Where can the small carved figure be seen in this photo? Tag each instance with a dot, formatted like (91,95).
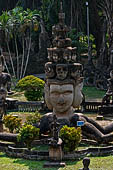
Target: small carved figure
(62,71)
(55,130)
(86,162)
(49,70)
(3,104)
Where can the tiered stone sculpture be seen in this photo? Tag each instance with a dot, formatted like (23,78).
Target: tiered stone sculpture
(63,87)
(5,78)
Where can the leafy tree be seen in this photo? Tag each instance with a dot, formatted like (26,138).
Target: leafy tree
(12,122)
(18,25)
(32,86)
(71,137)
(27,134)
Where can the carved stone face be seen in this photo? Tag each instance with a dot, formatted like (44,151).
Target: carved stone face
(62,71)
(75,71)
(49,70)
(61,97)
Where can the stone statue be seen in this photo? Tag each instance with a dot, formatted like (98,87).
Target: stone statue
(86,162)
(55,130)
(109,93)
(3,104)
(63,90)
(5,78)
(5,82)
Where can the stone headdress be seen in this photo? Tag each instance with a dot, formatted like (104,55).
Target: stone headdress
(61,67)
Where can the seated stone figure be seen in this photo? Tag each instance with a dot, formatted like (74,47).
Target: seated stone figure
(63,98)
(3,104)
(5,82)
(63,88)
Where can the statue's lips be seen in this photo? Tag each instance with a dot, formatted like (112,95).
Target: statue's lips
(61,104)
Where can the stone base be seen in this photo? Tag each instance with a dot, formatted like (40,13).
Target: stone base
(55,153)
(99,117)
(54,164)
(106,110)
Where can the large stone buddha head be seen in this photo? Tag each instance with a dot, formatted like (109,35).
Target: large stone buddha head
(63,96)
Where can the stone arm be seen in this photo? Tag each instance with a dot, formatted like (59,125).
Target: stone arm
(93,130)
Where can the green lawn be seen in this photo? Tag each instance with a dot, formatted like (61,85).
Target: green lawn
(97,163)
(93,93)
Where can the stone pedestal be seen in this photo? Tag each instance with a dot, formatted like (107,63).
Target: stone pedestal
(106,110)
(54,164)
(55,153)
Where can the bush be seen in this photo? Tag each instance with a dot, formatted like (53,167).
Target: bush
(71,137)
(33,118)
(12,122)
(32,86)
(27,134)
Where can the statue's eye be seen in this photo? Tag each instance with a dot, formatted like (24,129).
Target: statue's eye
(59,69)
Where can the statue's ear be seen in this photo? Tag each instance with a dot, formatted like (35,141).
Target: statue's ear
(78,97)
(47,97)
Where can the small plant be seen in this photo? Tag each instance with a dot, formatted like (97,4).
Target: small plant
(12,122)
(27,134)
(71,137)
(33,118)
(32,86)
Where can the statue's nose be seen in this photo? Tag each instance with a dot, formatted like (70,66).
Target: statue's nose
(61,99)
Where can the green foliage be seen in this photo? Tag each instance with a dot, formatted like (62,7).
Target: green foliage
(81,41)
(27,134)
(32,86)
(71,137)
(33,118)
(12,122)
(93,93)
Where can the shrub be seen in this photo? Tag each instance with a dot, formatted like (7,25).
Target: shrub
(12,122)
(27,134)
(71,137)
(32,86)
(33,118)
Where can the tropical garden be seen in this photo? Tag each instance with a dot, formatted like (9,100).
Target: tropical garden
(25,35)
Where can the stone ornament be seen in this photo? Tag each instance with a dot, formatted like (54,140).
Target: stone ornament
(49,70)
(61,71)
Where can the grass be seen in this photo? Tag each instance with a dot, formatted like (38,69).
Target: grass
(18,95)
(93,93)
(96,163)
(8,163)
